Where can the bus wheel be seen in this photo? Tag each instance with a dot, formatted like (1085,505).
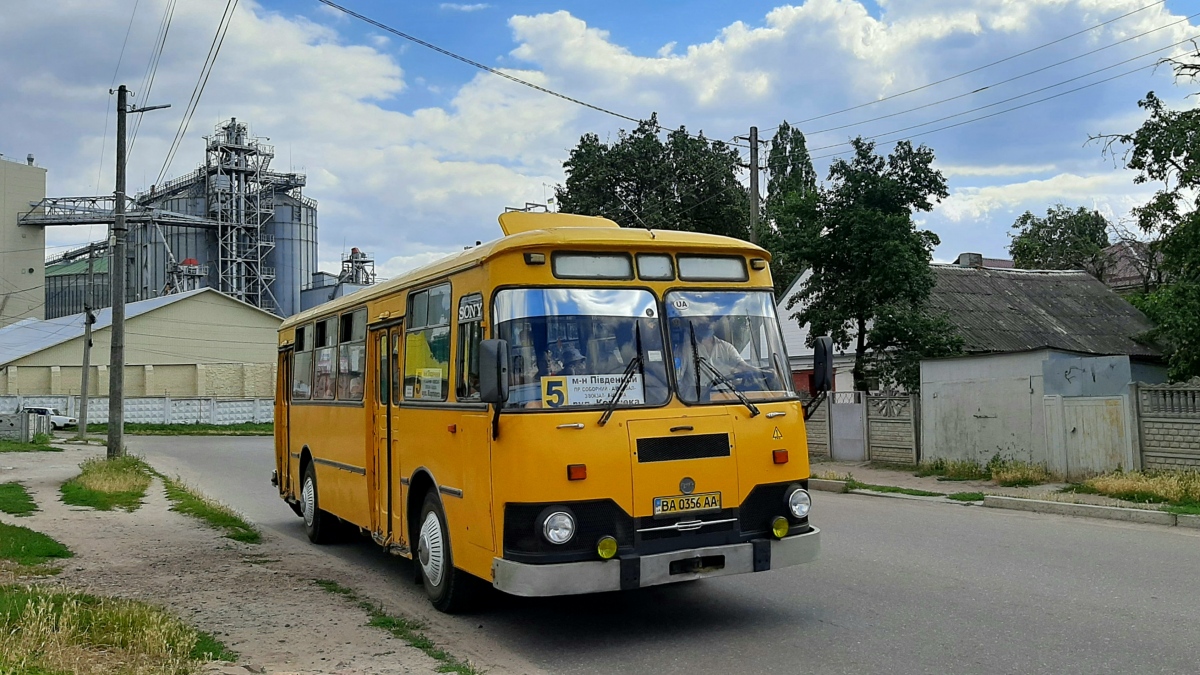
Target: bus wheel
(318,524)
(445,586)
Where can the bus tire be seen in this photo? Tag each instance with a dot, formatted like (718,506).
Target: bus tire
(318,525)
(445,585)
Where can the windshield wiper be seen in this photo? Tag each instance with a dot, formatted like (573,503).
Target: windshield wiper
(626,377)
(718,376)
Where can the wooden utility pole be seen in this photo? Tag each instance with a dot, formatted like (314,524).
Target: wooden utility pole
(753,185)
(88,320)
(116,276)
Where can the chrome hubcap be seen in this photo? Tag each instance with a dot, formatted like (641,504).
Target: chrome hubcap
(431,550)
(308,501)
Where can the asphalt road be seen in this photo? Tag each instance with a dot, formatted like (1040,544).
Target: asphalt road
(901,587)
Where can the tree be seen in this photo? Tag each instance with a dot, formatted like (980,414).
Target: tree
(792,199)
(1164,150)
(869,263)
(1063,240)
(685,183)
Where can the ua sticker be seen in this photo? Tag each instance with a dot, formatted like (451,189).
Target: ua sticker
(777,435)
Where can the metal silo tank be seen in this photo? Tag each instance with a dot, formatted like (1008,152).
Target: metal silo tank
(295,254)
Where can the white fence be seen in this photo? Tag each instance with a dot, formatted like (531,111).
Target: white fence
(156,409)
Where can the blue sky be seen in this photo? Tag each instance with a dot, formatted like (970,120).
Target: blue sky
(412,154)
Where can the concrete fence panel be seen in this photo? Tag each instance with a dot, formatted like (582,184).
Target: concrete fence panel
(1169,422)
(156,409)
(892,428)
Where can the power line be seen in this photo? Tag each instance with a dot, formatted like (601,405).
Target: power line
(152,68)
(979,68)
(107,107)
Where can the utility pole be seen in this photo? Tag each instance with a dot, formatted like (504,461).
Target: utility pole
(753,185)
(116,276)
(88,320)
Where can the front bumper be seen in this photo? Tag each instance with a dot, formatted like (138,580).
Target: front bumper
(651,570)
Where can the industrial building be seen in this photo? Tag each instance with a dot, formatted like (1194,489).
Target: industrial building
(22,249)
(196,343)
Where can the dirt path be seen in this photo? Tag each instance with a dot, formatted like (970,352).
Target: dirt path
(261,603)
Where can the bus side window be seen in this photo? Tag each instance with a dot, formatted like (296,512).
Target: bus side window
(325,369)
(384,376)
(470,332)
(352,356)
(427,346)
(302,364)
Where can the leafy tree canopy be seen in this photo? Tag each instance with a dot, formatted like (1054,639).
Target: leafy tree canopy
(791,203)
(1063,240)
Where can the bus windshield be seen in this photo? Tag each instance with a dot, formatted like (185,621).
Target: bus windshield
(724,342)
(574,347)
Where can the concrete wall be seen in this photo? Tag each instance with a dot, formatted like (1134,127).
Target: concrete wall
(22,249)
(206,379)
(975,407)
(157,409)
(1169,418)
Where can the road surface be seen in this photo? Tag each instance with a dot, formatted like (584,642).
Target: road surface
(901,587)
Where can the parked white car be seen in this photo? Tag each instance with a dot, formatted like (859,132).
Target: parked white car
(57,421)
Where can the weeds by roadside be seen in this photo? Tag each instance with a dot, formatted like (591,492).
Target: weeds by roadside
(27,547)
(39,443)
(189,502)
(45,630)
(1178,491)
(966,496)
(405,629)
(15,500)
(1005,472)
(852,484)
(143,429)
(953,470)
(106,484)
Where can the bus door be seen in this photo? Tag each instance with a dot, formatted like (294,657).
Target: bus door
(381,438)
(283,408)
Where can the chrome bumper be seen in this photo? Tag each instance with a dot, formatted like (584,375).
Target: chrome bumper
(651,570)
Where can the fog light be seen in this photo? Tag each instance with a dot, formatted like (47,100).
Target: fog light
(779,527)
(799,502)
(606,547)
(558,527)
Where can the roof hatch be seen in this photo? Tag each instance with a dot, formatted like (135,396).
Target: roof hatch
(516,222)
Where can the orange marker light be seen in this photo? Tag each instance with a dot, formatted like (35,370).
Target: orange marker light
(453,428)
(780,456)
(576,471)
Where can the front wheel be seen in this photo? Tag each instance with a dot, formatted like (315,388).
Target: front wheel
(318,525)
(445,585)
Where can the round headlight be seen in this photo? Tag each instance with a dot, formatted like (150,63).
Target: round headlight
(799,502)
(558,527)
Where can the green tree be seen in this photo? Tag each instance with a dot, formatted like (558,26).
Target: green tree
(1164,150)
(792,200)
(869,263)
(683,183)
(1063,240)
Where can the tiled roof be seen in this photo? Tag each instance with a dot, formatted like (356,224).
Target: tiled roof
(998,311)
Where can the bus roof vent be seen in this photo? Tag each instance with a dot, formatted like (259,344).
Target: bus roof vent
(516,222)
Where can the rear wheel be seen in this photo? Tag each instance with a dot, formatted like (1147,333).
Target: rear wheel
(446,586)
(318,525)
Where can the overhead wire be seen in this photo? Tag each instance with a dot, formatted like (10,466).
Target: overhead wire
(108,106)
(152,70)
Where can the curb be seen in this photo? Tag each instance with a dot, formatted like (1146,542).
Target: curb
(826,485)
(899,495)
(1085,510)
(1185,520)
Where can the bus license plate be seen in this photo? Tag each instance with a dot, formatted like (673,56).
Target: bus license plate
(669,506)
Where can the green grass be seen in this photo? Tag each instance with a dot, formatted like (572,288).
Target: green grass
(28,547)
(1178,491)
(15,500)
(954,470)
(191,503)
(105,484)
(1183,509)
(405,629)
(50,630)
(40,443)
(244,429)
(891,489)
(966,496)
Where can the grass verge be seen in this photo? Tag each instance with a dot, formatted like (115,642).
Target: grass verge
(852,484)
(15,500)
(966,496)
(40,443)
(1005,472)
(47,631)
(1178,491)
(405,629)
(187,501)
(27,547)
(139,429)
(105,484)
(954,469)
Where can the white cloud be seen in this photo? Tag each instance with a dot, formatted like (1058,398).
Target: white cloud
(1107,191)
(994,170)
(457,7)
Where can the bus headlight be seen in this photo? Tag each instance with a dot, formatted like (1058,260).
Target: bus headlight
(799,502)
(559,527)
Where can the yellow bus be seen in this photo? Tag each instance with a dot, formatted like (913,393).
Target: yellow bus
(572,408)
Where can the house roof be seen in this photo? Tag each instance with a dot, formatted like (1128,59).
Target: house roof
(80,266)
(30,336)
(998,311)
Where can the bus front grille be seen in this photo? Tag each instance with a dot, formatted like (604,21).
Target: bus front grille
(671,448)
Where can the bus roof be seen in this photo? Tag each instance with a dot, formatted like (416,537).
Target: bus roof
(536,230)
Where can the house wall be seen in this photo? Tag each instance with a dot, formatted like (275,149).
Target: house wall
(975,407)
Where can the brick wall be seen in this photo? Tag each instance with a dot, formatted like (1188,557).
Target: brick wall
(1169,425)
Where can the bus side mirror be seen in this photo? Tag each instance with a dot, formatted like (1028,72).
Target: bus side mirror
(823,363)
(493,371)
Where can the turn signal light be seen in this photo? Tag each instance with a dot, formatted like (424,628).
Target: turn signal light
(606,547)
(576,471)
(779,527)
(779,456)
